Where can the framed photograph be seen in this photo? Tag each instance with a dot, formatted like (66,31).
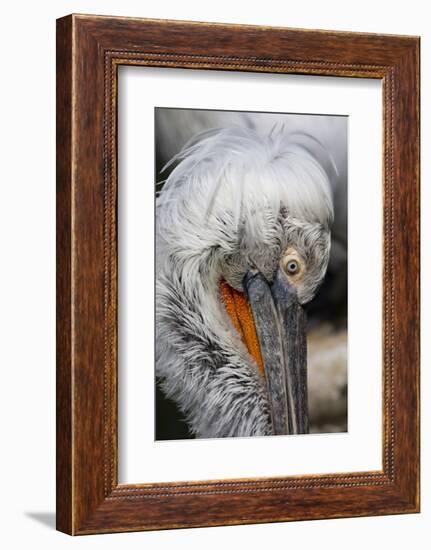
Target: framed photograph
(237,274)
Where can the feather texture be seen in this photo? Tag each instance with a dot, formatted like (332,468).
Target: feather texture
(235,199)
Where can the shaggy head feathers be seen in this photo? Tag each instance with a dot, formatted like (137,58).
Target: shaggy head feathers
(235,199)
(240,170)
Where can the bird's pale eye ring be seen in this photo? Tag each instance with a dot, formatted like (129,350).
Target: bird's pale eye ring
(292,267)
(292,263)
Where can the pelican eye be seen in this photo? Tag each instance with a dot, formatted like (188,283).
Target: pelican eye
(292,267)
(291,263)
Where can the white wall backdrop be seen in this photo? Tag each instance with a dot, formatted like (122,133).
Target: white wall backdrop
(27,289)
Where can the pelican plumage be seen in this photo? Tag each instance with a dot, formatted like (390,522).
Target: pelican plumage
(242,242)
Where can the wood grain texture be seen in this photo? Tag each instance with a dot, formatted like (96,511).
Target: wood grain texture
(90,49)
(64,497)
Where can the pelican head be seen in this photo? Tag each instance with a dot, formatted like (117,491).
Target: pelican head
(242,243)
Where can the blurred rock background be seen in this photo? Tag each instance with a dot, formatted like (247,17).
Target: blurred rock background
(327,313)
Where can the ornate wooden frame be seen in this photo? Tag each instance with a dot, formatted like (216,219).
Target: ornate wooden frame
(89,51)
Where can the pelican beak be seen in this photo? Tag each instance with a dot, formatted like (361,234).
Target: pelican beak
(280,326)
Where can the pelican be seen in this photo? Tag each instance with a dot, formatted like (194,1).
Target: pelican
(242,243)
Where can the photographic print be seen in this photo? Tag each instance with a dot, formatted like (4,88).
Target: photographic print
(251,273)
